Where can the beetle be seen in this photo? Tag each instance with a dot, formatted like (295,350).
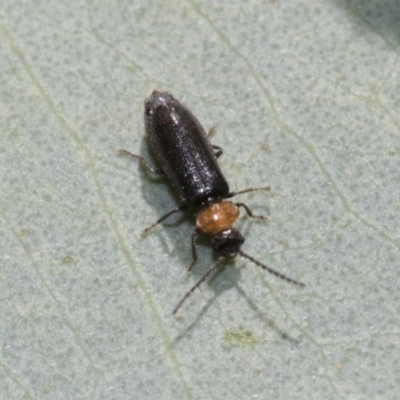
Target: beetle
(189,161)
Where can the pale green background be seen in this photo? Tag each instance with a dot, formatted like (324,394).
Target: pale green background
(305,96)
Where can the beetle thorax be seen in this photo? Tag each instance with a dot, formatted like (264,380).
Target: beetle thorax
(217,217)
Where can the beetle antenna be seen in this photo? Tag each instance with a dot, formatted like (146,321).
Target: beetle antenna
(270,270)
(212,267)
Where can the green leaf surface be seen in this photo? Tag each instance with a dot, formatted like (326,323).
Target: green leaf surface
(305,97)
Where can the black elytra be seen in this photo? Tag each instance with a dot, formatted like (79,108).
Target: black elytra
(183,150)
(189,161)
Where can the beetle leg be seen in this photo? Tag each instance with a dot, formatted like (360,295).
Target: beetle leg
(232,194)
(164,217)
(194,249)
(218,150)
(250,213)
(143,162)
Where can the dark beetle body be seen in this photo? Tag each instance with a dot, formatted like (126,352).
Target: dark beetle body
(190,162)
(183,150)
